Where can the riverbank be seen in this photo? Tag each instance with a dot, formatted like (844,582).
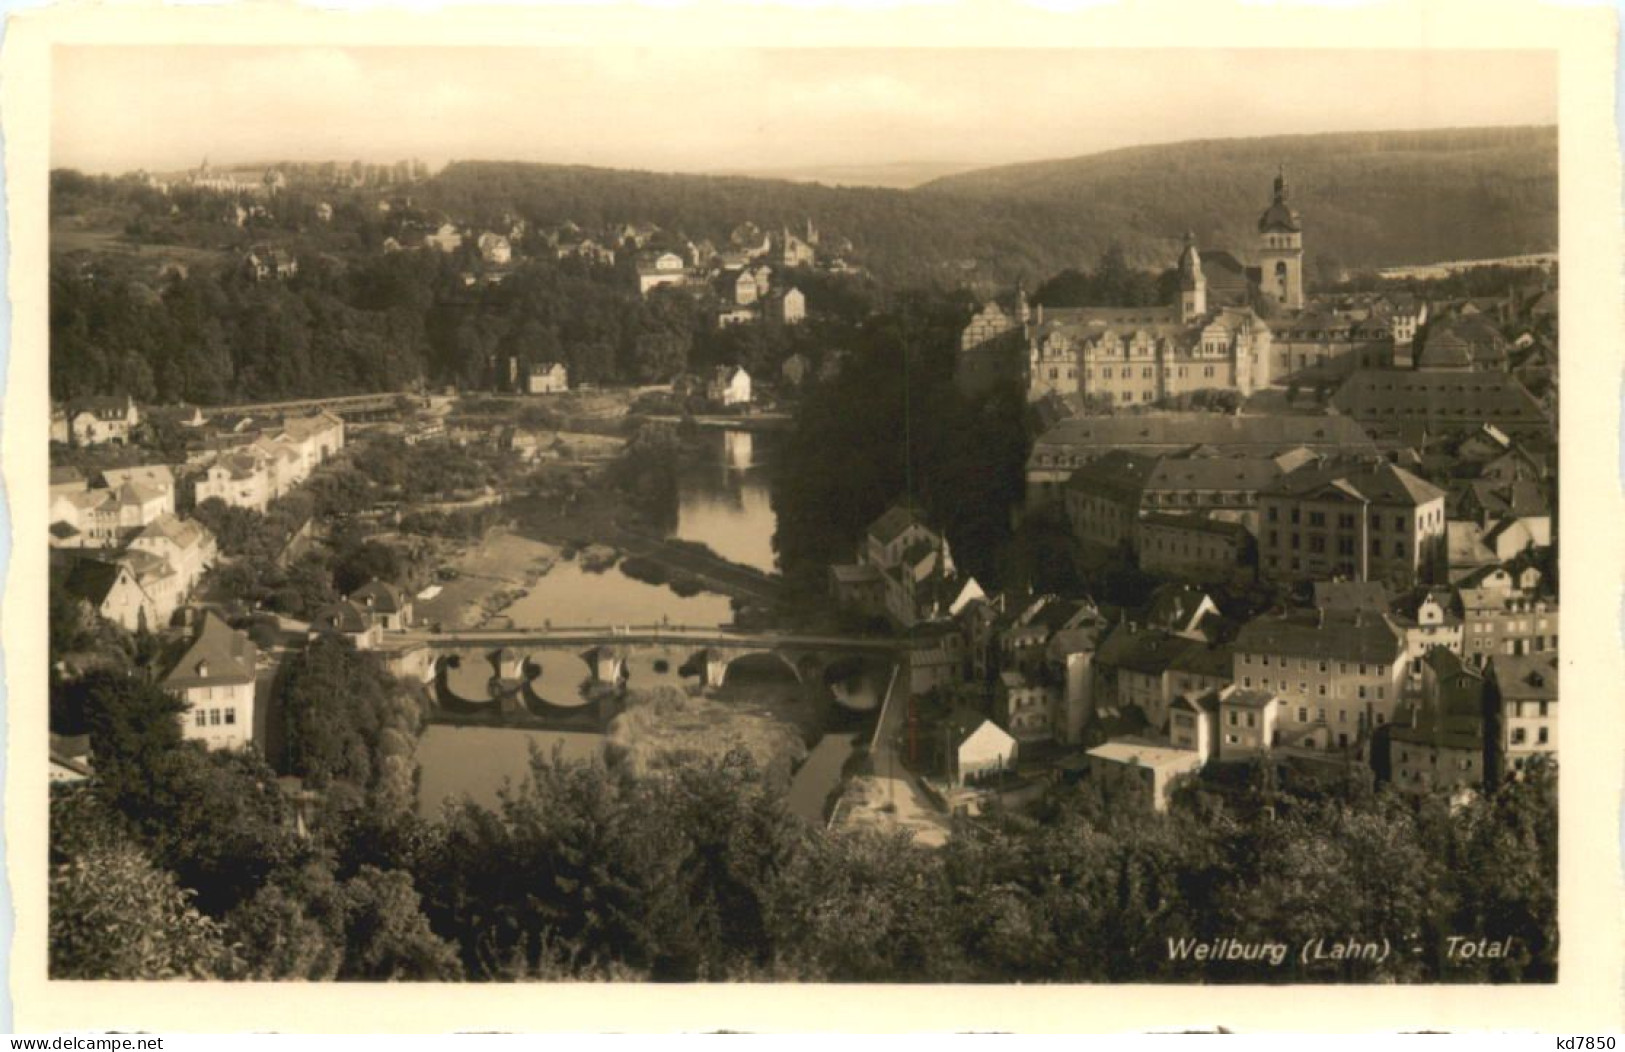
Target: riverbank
(483,578)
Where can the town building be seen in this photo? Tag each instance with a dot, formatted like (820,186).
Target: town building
(154,478)
(1146,669)
(1318,346)
(1435,404)
(1428,622)
(1338,676)
(346,620)
(547,378)
(97,421)
(1193,723)
(658,269)
(446,238)
(1502,622)
(1462,344)
(729,385)
(1360,521)
(1195,548)
(111,590)
(1521,693)
(1023,705)
(215,678)
(904,571)
(269,263)
(1247,723)
(495,249)
(1075,441)
(1140,770)
(384,605)
(185,545)
(788,307)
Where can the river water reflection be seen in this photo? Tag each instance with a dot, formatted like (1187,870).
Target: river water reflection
(723,502)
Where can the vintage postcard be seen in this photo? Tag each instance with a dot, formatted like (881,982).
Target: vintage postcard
(674,499)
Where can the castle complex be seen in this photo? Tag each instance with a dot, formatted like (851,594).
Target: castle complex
(1211,338)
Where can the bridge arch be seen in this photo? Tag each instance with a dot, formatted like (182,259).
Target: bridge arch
(761,662)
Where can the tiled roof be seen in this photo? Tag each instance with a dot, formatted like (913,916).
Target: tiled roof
(219,655)
(1380,483)
(1437,399)
(343,617)
(1213,473)
(157,476)
(897,518)
(1352,595)
(92,580)
(379,596)
(1529,677)
(1168,432)
(1247,699)
(1234,531)
(1367,639)
(1146,753)
(183,533)
(1119,473)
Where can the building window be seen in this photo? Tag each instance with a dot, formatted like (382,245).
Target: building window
(1541,736)
(1232,717)
(1399,523)
(214,717)
(200,718)
(231,717)
(1303,714)
(1322,690)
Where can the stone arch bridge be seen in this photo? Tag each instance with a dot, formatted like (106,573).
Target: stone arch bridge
(608,651)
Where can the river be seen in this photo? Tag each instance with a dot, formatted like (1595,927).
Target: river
(724,503)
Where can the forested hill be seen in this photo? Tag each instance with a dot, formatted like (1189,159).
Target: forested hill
(1367,198)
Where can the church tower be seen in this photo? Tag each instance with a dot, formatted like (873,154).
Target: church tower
(1192,283)
(1280,250)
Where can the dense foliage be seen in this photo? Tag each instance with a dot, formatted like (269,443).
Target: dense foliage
(699,873)
(894,425)
(346,719)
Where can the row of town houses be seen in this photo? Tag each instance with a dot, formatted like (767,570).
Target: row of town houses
(1437,688)
(127,551)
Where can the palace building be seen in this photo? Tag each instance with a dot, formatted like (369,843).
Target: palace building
(1211,338)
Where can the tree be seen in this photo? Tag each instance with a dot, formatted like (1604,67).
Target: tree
(113,915)
(386,934)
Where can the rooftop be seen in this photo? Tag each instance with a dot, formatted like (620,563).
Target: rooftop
(219,655)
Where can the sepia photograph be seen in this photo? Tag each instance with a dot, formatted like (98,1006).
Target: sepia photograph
(862,515)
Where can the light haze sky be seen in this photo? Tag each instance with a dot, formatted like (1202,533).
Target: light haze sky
(166,108)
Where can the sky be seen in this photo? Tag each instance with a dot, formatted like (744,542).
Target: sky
(695,110)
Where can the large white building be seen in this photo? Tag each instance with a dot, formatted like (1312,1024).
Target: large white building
(215,678)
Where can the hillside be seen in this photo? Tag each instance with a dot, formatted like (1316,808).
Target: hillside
(1368,199)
